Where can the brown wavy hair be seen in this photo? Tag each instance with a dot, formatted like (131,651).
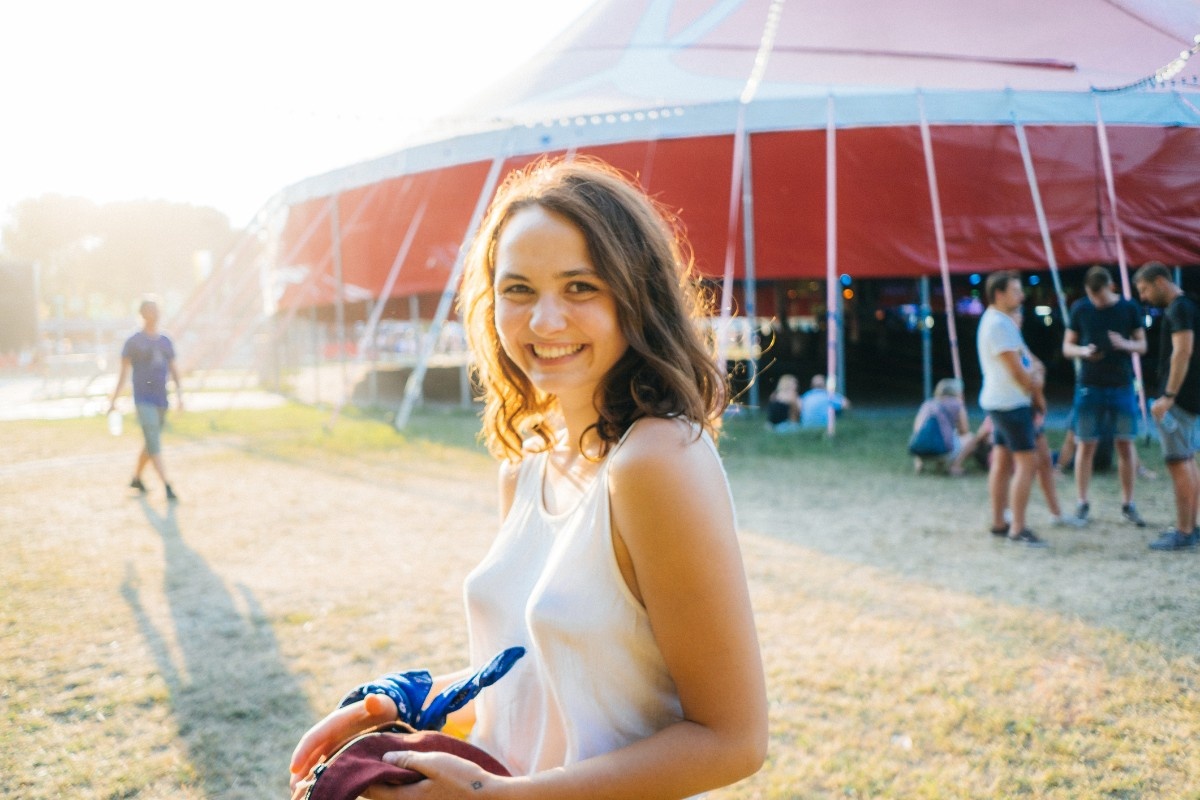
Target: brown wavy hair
(669,369)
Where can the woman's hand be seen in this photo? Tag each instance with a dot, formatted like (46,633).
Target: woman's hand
(345,723)
(447,777)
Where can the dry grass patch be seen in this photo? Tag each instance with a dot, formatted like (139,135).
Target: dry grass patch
(153,651)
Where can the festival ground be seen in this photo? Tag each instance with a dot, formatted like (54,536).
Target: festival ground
(154,651)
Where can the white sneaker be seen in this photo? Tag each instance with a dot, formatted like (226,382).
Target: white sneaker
(1061,521)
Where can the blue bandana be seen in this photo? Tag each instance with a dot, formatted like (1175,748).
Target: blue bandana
(408,691)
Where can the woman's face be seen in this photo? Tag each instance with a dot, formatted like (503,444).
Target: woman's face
(557,320)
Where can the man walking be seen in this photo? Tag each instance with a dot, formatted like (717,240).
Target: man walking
(1011,389)
(1176,407)
(149,356)
(1104,333)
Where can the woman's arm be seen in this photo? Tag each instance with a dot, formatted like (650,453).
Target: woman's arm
(677,547)
(673,519)
(122,376)
(963,422)
(178,383)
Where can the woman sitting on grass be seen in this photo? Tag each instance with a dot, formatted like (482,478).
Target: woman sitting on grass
(949,415)
(617,564)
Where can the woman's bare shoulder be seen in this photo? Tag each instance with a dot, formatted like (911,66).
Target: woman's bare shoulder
(658,445)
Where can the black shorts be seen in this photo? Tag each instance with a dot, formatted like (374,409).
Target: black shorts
(1013,429)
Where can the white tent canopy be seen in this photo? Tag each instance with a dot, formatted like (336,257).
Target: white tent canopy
(873,139)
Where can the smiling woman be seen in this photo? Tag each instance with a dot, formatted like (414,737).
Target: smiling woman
(618,262)
(555,316)
(617,567)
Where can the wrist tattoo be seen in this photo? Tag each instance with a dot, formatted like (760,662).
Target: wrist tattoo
(477,785)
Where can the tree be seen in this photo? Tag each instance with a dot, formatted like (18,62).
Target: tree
(100,259)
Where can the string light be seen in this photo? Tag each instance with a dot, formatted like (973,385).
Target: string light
(1165,74)
(608,118)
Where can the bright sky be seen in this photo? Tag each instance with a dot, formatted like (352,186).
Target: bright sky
(222,103)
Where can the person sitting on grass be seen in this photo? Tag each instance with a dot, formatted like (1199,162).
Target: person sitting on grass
(955,441)
(817,402)
(783,407)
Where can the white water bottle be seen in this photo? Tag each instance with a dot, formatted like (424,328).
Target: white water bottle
(115,422)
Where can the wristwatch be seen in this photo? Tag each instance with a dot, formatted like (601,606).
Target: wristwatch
(1170,395)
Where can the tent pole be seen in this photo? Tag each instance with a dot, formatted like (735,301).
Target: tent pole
(735,199)
(308,285)
(368,334)
(339,298)
(202,299)
(218,352)
(833,332)
(416,381)
(750,282)
(316,353)
(1043,225)
(926,338)
(939,230)
(1122,263)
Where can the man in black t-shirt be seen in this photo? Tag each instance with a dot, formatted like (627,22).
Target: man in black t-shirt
(1104,333)
(1176,408)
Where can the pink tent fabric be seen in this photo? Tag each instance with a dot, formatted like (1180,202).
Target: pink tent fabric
(660,87)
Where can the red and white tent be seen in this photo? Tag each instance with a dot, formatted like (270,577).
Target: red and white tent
(806,139)
(662,88)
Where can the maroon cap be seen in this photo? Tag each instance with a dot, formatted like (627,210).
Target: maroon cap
(360,764)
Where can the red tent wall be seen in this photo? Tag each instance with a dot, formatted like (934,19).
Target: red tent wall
(885,224)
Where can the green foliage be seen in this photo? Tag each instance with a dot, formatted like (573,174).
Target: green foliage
(101,258)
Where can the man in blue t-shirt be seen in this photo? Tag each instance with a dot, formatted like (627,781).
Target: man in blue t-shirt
(149,356)
(1176,408)
(1104,333)
(816,403)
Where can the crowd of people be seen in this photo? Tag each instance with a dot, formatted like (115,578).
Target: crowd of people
(1105,333)
(789,411)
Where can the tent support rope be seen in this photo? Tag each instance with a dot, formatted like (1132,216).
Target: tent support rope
(416,381)
(1122,262)
(735,200)
(385,293)
(833,327)
(750,279)
(1043,225)
(939,231)
(339,291)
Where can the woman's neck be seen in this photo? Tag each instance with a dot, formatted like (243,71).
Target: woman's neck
(579,422)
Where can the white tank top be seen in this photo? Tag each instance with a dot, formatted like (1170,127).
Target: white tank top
(592,679)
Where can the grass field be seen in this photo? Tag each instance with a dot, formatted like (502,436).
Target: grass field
(155,651)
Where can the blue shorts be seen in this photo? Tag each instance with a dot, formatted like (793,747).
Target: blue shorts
(1177,434)
(151,419)
(1013,429)
(1102,411)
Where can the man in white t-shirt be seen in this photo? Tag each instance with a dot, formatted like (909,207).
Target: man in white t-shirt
(1012,388)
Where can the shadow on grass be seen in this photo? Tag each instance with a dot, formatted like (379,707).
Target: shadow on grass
(856,498)
(238,709)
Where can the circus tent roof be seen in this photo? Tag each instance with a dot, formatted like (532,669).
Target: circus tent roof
(661,87)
